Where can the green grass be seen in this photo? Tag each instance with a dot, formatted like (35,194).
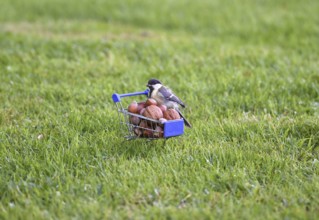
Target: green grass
(248,71)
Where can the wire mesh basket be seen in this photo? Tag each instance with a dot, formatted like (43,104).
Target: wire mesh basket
(144,127)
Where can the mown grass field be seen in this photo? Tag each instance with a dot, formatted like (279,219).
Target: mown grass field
(248,71)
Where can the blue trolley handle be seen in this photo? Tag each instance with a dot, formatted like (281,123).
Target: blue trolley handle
(117,97)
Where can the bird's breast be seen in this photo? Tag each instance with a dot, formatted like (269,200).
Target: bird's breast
(158,97)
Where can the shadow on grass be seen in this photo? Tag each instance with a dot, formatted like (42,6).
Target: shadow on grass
(140,148)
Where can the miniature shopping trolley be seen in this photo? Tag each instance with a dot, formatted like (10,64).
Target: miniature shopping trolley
(144,127)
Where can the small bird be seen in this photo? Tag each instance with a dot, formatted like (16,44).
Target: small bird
(164,96)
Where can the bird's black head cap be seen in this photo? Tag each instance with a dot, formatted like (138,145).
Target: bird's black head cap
(153,82)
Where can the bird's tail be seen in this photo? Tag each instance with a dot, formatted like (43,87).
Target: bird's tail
(185,121)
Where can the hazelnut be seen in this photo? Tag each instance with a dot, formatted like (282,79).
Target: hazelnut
(148,133)
(162,121)
(133,107)
(140,106)
(134,120)
(144,128)
(142,111)
(150,101)
(163,108)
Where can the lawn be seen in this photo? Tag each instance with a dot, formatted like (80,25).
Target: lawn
(247,70)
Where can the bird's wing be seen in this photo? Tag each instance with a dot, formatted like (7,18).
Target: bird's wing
(168,95)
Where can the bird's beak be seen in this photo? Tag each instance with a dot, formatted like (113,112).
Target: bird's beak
(148,85)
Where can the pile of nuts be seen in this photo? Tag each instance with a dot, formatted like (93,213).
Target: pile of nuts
(150,109)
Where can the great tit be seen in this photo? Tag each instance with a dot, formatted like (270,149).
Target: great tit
(164,96)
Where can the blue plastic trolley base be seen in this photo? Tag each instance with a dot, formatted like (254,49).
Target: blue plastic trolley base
(130,131)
